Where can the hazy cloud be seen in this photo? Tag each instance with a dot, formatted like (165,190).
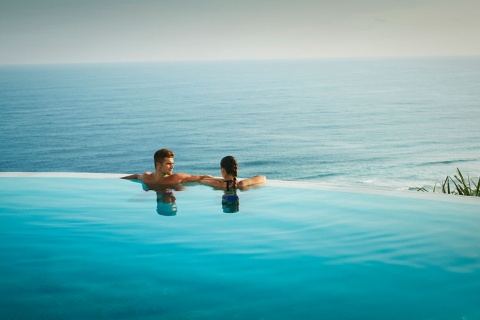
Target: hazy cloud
(61,31)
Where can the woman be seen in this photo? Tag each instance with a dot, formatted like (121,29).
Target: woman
(229,168)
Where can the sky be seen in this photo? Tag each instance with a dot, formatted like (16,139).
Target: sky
(86,31)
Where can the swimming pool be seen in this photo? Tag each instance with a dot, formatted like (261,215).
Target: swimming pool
(96,247)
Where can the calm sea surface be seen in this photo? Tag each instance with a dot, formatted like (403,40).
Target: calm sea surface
(394,123)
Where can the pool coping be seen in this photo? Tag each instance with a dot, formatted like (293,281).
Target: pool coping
(274,183)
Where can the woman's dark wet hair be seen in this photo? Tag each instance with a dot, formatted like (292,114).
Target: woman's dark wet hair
(229,164)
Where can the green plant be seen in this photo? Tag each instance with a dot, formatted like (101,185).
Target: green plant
(459,185)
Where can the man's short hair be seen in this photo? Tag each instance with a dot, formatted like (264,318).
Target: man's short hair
(161,154)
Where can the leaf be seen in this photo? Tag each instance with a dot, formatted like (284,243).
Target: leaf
(477,191)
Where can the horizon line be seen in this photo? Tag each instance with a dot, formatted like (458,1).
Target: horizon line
(238,60)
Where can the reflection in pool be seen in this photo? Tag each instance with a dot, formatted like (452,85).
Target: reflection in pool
(230,201)
(98,249)
(166,205)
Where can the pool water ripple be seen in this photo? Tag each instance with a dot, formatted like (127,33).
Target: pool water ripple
(97,248)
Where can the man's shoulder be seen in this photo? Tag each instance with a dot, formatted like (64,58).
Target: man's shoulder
(183,177)
(176,177)
(147,177)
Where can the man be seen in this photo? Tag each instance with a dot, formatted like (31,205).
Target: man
(164,163)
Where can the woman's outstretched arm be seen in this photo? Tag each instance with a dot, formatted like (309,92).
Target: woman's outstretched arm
(252,181)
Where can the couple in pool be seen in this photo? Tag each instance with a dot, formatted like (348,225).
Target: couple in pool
(164,164)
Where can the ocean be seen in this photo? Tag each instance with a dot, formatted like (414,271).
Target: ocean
(398,123)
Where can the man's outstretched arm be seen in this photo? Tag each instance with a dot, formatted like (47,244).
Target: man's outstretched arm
(191,177)
(133,176)
(145,177)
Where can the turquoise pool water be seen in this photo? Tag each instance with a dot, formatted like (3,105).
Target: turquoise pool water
(97,248)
